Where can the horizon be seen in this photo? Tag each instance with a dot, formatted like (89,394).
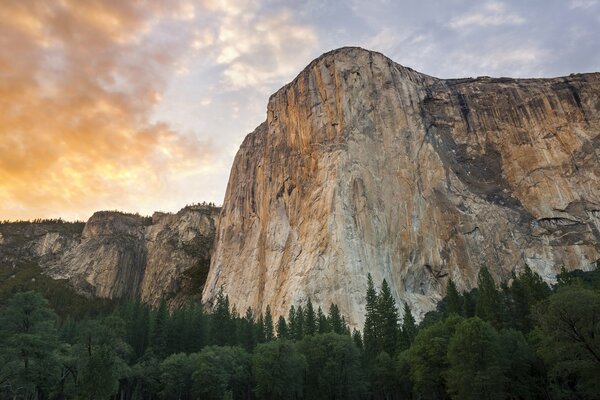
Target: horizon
(142,107)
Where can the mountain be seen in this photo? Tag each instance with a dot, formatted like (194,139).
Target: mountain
(116,255)
(365,166)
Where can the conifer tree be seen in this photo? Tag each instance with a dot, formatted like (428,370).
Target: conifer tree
(324,326)
(357,339)
(371,329)
(310,319)
(335,319)
(409,328)
(489,300)
(298,332)
(292,322)
(260,329)
(222,329)
(282,329)
(268,324)
(247,334)
(453,299)
(387,314)
(159,331)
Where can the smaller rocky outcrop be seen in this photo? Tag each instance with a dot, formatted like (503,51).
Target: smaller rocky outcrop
(110,260)
(116,255)
(41,241)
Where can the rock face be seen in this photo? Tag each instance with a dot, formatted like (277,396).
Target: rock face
(120,255)
(110,259)
(366,166)
(41,242)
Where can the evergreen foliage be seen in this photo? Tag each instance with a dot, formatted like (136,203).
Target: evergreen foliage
(528,341)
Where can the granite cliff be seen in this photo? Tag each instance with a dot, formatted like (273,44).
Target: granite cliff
(116,255)
(365,166)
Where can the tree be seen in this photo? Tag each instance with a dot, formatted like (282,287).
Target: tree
(454,302)
(409,328)
(159,333)
(222,330)
(334,367)
(428,360)
(101,353)
(298,329)
(310,319)
(476,369)
(384,382)
(356,336)
(278,370)
(489,301)
(196,335)
(335,320)
(247,334)
(30,344)
(527,289)
(569,324)
(525,376)
(282,329)
(260,329)
(322,321)
(99,374)
(387,314)
(268,325)
(222,371)
(176,376)
(371,328)
(292,322)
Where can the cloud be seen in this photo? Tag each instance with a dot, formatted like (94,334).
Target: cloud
(491,14)
(583,3)
(78,83)
(256,46)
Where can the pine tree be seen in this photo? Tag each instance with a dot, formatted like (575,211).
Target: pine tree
(159,331)
(299,327)
(453,299)
(324,326)
(489,300)
(222,328)
(310,319)
(371,329)
(268,324)
(260,329)
(197,330)
(409,328)
(357,339)
(387,313)
(282,329)
(335,320)
(247,333)
(292,322)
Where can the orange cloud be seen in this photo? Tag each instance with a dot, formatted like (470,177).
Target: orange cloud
(78,83)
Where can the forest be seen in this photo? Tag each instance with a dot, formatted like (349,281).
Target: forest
(523,340)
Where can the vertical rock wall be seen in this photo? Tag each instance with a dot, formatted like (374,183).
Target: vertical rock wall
(365,166)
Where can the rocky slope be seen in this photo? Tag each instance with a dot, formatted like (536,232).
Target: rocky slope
(118,255)
(366,166)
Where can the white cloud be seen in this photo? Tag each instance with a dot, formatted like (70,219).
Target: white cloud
(492,14)
(583,3)
(257,48)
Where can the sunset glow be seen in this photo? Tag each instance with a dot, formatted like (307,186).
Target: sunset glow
(141,105)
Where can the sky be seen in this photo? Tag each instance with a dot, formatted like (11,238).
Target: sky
(140,106)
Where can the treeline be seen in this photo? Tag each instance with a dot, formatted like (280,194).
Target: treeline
(523,341)
(47,221)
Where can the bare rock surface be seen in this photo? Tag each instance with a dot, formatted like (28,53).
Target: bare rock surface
(116,255)
(366,166)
